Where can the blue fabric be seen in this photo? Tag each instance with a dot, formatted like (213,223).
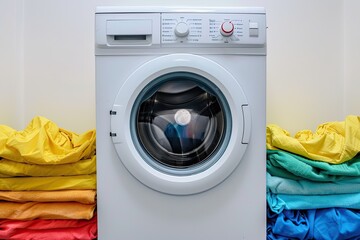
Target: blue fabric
(281,185)
(288,224)
(326,224)
(279,202)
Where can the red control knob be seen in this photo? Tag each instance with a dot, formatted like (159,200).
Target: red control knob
(227,29)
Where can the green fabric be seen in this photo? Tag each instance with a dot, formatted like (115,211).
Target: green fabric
(287,165)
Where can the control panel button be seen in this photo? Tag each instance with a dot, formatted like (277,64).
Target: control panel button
(227,29)
(253,29)
(181,29)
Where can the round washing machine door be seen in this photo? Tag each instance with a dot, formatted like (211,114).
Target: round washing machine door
(180,124)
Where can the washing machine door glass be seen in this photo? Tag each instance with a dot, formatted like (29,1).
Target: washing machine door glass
(181,121)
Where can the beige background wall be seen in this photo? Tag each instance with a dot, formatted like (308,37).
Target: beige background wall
(47,60)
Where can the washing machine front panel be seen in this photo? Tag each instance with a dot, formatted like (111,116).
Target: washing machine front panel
(140,54)
(180,124)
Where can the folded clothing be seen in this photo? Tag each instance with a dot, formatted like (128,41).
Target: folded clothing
(48,183)
(80,196)
(42,229)
(56,210)
(281,185)
(43,142)
(329,223)
(9,168)
(278,202)
(332,142)
(292,166)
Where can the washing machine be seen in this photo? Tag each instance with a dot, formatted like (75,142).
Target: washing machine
(180,119)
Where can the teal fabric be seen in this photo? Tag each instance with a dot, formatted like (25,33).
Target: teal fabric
(291,166)
(305,187)
(279,202)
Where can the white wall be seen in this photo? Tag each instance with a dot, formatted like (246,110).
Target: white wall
(351,57)
(59,62)
(48,58)
(305,63)
(11,84)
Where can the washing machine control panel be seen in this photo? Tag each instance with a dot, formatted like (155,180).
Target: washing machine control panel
(204,30)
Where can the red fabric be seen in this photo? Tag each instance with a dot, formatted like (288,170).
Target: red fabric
(40,229)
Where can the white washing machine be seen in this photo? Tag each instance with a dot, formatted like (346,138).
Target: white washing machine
(180,118)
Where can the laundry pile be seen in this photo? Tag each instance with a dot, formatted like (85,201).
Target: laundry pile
(313,182)
(47,183)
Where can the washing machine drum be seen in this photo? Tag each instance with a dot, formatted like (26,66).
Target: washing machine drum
(180,124)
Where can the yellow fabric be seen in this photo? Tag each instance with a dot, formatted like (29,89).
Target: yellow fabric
(33,210)
(48,183)
(80,196)
(43,142)
(332,142)
(10,168)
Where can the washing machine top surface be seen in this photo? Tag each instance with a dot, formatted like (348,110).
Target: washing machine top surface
(181,9)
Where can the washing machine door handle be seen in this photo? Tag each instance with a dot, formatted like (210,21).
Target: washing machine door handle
(117,121)
(246,124)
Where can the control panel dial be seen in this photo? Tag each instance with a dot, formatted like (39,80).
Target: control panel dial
(227,29)
(181,29)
